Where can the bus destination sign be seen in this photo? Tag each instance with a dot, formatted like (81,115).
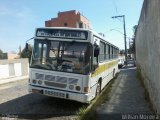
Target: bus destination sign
(62,33)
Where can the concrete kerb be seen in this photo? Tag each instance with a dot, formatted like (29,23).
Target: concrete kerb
(13,79)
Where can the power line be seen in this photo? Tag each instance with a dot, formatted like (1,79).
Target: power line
(116,9)
(115,6)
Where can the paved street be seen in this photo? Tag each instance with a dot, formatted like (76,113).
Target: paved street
(126,98)
(14,99)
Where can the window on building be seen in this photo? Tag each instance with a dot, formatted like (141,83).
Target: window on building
(65,24)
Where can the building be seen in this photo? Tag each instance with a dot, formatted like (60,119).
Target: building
(12,56)
(71,18)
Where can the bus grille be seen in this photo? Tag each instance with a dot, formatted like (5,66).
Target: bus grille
(56,81)
(39,76)
(73,81)
(50,78)
(53,84)
(61,79)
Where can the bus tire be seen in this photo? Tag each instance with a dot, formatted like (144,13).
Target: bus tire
(113,73)
(98,89)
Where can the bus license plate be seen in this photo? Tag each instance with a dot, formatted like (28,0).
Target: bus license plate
(37,91)
(54,94)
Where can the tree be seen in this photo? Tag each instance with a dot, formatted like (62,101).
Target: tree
(133,45)
(3,55)
(122,52)
(1,51)
(26,53)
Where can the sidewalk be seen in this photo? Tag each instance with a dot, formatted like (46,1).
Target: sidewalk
(126,98)
(12,79)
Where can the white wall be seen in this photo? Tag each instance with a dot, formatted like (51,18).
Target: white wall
(4,72)
(13,68)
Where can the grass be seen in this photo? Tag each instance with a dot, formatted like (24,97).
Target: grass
(141,79)
(89,113)
(146,93)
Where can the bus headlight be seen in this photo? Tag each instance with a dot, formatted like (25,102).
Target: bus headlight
(71,87)
(34,81)
(78,88)
(40,82)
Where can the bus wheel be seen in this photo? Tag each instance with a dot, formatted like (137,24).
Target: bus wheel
(113,73)
(98,89)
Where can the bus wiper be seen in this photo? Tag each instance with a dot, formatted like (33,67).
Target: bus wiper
(66,60)
(40,66)
(60,61)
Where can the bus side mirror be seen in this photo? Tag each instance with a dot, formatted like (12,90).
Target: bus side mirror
(96,51)
(26,48)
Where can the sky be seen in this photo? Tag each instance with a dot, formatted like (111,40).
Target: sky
(19,18)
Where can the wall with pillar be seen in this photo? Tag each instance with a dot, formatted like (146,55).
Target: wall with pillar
(13,68)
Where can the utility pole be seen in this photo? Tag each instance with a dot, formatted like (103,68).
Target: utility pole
(124,27)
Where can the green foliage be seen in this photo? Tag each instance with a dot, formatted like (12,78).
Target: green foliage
(1,51)
(133,45)
(146,93)
(122,52)
(26,53)
(135,29)
(3,55)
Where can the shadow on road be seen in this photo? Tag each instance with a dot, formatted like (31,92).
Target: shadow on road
(35,106)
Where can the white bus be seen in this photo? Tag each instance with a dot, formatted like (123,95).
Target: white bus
(71,63)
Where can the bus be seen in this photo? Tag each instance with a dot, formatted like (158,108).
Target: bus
(71,63)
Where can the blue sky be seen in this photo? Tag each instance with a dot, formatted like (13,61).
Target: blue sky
(19,18)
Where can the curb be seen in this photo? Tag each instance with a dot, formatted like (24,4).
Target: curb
(13,79)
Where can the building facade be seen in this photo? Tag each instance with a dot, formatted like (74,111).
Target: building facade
(71,18)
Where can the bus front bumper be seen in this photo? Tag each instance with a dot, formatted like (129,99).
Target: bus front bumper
(69,95)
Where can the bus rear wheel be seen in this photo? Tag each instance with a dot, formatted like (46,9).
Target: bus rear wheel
(98,89)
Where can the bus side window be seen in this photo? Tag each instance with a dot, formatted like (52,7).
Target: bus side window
(95,59)
(96,51)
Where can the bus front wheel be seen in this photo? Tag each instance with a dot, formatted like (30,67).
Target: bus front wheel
(98,89)
(113,73)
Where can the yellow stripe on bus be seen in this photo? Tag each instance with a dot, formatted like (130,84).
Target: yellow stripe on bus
(104,67)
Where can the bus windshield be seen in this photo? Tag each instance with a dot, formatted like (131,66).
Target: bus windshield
(73,57)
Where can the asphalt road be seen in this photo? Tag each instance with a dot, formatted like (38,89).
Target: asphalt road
(15,101)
